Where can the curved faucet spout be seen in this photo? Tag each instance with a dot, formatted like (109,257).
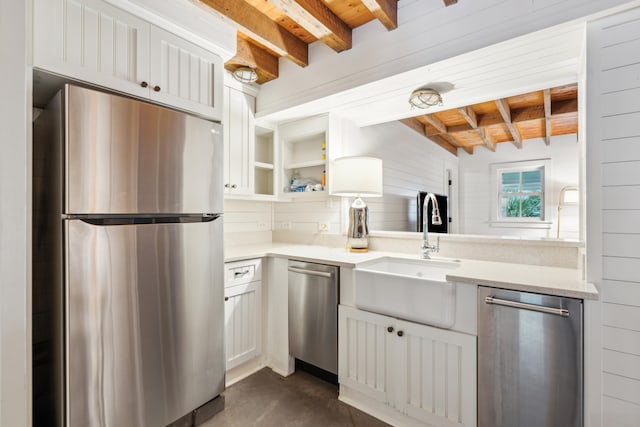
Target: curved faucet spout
(435,220)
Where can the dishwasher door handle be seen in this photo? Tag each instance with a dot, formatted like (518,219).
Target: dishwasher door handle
(310,272)
(515,304)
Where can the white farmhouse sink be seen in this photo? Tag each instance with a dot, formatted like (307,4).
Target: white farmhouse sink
(415,290)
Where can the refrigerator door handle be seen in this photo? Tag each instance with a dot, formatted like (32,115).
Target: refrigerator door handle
(124,219)
(515,304)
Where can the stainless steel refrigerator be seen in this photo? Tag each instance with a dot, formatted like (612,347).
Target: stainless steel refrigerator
(128,255)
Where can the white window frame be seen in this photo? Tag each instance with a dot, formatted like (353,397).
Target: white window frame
(522,166)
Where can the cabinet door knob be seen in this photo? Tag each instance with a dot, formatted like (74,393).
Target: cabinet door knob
(227,186)
(400,333)
(226,298)
(234,186)
(390,329)
(156,88)
(144,84)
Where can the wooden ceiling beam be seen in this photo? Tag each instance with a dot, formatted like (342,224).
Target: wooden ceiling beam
(486,138)
(386,11)
(472,119)
(265,31)
(505,112)
(435,122)
(547,116)
(315,17)
(469,115)
(417,126)
(249,54)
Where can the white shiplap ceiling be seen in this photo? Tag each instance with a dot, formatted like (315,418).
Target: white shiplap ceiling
(536,61)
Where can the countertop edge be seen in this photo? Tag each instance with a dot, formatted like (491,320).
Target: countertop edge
(581,290)
(526,287)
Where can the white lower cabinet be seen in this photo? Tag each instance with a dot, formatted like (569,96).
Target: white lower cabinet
(407,373)
(243,312)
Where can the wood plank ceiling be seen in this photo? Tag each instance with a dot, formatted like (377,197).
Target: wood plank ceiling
(539,114)
(271,29)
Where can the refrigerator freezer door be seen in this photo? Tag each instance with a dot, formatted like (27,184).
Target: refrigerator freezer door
(145,322)
(129,157)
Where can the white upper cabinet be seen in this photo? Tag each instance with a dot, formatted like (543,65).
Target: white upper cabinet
(184,75)
(92,41)
(95,42)
(239,136)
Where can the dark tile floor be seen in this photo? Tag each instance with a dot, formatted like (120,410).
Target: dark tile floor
(266,399)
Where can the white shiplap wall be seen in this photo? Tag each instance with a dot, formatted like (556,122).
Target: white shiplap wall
(476,193)
(247,222)
(613,234)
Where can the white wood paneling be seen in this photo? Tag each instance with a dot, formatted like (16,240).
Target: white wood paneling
(621,316)
(426,373)
(621,387)
(305,216)
(243,325)
(627,221)
(247,216)
(622,340)
(187,75)
(624,269)
(613,263)
(15,214)
(620,292)
(620,413)
(621,173)
(440,370)
(476,190)
(416,50)
(92,41)
(238,136)
(363,352)
(621,245)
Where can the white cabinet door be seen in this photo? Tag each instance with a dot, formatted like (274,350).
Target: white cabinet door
(425,373)
(92,41)
(239,137)
(184,75)
(243,314)
(437,369)
(363,351)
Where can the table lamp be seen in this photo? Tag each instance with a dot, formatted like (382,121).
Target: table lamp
(357,177)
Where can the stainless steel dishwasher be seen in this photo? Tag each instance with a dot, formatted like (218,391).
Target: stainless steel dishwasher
(313,314)
(529,359)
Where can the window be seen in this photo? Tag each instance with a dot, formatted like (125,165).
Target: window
(519,190)
(521,193)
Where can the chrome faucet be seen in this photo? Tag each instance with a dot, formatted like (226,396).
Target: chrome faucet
(435,220)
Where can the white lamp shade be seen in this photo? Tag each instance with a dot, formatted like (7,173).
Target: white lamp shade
(357,176)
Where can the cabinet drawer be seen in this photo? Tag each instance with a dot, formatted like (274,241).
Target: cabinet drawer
(239,272)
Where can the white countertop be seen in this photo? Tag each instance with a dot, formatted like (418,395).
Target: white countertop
(558,281)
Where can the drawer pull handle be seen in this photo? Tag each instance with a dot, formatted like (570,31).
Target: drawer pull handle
(240,274)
